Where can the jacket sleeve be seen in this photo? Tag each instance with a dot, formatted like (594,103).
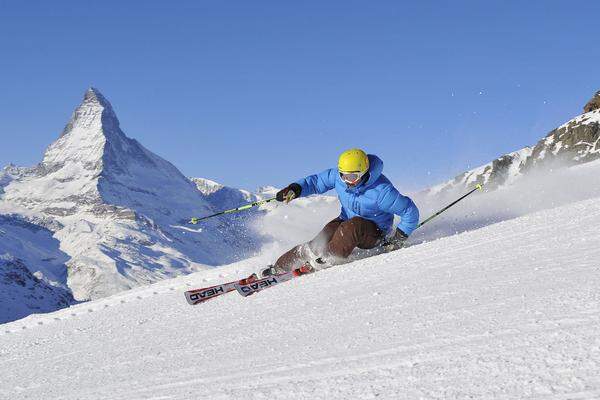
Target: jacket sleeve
(391,201)
(318,183)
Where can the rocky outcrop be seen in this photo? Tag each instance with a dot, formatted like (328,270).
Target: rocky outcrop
(593,104)
(576,142)
(501,171)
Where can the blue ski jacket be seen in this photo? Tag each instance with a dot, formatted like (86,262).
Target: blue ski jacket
(376,199)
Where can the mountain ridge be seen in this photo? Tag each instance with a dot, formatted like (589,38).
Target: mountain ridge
(577,141)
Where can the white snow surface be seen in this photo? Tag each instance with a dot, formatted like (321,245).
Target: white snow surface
(508,311)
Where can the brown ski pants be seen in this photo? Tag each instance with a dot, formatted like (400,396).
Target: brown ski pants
(334,243)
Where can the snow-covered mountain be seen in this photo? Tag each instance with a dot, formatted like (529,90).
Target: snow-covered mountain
(22,292)
(223,197)
(34,282)
(116,208)
(93,167)
(575,142)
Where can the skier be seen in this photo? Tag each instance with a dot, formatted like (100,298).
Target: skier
(369,202)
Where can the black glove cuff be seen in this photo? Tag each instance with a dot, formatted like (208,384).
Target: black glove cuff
(401,233)
(296,188)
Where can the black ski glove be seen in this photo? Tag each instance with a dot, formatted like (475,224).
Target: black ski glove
(395,242)
(289,193)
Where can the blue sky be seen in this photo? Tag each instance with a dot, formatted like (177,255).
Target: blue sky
(253,93)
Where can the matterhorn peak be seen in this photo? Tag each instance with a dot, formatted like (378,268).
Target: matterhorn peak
(115,207)
(84,138)
(94,112)
(94,98)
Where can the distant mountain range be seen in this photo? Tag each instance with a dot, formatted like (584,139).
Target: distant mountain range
(101,213)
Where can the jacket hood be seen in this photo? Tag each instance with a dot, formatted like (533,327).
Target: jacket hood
(375,169)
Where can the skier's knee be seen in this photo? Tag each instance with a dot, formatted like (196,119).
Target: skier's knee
(348,232)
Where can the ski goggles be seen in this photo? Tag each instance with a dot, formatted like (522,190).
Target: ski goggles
(351,178)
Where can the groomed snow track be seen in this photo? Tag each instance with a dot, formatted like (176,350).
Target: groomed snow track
(510,311)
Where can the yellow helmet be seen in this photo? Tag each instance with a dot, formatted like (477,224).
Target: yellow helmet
(353,160)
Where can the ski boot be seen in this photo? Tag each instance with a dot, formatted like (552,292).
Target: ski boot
(270,271)
(311,266)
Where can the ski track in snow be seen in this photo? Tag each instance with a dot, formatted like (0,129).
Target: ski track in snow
(510,311)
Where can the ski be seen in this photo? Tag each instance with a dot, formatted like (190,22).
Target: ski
(248,288)
(197,296)
(244,287)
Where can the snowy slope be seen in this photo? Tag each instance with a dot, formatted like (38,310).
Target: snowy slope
(509,311)
(36,247)
(538,190)
(33,281)
(22,292)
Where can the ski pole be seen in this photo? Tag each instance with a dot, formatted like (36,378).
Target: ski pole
(477,187)
(195,220)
